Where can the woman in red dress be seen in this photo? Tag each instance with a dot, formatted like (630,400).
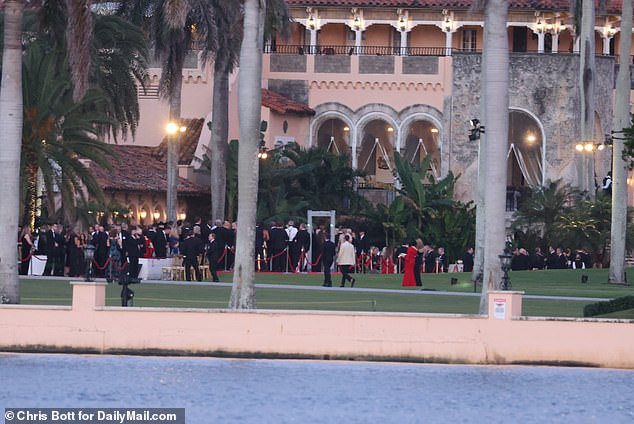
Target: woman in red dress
(409,279)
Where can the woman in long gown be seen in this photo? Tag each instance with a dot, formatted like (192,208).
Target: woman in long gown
(409,279)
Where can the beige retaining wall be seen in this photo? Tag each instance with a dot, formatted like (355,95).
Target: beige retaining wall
(499,338)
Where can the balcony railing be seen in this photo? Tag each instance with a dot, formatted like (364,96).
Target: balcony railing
(302,49)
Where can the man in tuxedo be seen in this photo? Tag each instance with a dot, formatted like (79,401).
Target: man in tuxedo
(302,239)
(191,247)
(328,249)
(278,239)
(160,242)
(214,253)
(100,241)
(56,248)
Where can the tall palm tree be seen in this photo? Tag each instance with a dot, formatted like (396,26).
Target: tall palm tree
(495,99)
(587,76)
(172,26)
(249,104)
(228,35)
(622,120)
(58,134)
(11,129)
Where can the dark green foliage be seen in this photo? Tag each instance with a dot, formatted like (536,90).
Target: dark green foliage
(434,215)
(293,180)
(615,305)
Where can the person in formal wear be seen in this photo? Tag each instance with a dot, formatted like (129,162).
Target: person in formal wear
(130,242)
(214,253)
(26,247)
(346,260)
(442,261)
(278,239)
(467,260)
(302,239)
(410,260)
(293,247)
(75,255)
(100,241)
(160,242)
(55,259)
(191,247)
(418,262)
(328,251)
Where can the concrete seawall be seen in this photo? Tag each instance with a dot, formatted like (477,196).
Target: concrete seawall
(502,337)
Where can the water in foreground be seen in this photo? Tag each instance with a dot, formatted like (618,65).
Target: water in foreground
(279,391)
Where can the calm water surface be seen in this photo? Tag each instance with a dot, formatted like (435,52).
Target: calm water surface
(277,391)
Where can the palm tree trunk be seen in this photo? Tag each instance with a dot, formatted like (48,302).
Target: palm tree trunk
(30,195)
(249,109)
(219,134)
(11,116)
(495,100)
(622,120)
(585,162)
(173,147)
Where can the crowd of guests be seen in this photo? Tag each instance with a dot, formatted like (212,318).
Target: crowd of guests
(278,248)
(557,258)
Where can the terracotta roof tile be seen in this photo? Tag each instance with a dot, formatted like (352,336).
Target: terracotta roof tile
(281,104)
(139,169)
(188,141)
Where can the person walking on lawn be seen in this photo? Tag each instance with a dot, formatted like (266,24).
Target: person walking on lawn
(346,260)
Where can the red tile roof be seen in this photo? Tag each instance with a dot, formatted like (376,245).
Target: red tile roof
(283,105)
(188,141)
(139,169)
(563,5)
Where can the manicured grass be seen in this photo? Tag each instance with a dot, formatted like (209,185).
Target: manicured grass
(411,299)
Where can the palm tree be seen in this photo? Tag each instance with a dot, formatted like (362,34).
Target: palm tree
(58,134)
(11,129)
(587,76)
(228,34)
(622,120)
(495,106)
(249,104)
(173,25)
(543,210)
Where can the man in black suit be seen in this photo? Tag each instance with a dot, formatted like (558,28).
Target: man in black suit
(131,246)
(327,258)
(56,248)
(191,247)
(278,239)
(100,241)
(467,260)
(160,242)
(214,253)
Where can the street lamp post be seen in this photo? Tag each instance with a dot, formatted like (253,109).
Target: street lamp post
(172,130)
(505,262)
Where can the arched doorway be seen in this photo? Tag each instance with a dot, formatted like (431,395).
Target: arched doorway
(421,140)
(333,136)
(376,151)
(525,166)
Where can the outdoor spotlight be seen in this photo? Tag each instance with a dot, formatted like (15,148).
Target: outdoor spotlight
(454,281)
(584,278)
(579,147)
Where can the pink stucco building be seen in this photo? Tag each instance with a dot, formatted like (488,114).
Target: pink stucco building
(374,77)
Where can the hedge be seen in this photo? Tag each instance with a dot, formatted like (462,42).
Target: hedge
(601,308)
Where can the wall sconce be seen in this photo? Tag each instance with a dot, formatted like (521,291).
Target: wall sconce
(356,20)
(434,130)
(448,21)
(156,214)
(310,22)
(608,31)
(142,214)
(390,129)
(182,215)
(346,128)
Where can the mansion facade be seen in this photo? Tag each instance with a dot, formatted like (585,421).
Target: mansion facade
(370,78)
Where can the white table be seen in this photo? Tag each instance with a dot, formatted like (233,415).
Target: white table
(152,267)
(37,264)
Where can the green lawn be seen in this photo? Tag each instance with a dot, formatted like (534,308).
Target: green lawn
(548,283)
